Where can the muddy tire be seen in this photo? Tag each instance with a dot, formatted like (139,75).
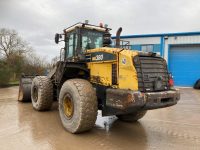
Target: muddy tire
(42,93)
(132,117)
(77,105)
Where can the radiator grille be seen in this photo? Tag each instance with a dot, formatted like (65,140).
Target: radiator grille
(152,73)
(114,74)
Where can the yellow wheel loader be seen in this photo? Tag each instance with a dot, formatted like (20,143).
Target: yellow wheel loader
(93,74)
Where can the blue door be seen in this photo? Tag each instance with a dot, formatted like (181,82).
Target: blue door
(184,64)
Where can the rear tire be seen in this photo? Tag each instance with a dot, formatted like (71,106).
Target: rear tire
(77,105)
(132,117)
(42,93)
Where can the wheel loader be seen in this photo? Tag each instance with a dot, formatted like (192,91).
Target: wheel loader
(95,74)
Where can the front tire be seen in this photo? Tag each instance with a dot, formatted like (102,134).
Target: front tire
(132,117)
(77,105)
(42,93)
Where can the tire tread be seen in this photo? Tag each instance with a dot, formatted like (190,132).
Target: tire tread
(46,87)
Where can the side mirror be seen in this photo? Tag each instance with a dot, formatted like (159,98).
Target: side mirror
(57,37)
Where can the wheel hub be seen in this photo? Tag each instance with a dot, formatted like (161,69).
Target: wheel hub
(35,94)
(68,106)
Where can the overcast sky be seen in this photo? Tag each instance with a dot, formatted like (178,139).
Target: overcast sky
(38,20)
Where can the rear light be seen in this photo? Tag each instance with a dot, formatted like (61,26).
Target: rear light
(171,81)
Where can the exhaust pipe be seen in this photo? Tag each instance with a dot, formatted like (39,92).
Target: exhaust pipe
(118,37)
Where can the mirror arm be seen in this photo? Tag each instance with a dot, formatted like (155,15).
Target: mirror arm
(61,40)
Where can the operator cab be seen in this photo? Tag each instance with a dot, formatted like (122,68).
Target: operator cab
(81,37)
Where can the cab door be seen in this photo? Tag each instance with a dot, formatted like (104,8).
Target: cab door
(71,45)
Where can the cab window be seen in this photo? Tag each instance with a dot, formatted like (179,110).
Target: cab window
(91,40)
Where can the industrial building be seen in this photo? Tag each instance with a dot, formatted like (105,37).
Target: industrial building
(181,51)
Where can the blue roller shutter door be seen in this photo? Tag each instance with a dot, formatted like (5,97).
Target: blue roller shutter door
(184,63)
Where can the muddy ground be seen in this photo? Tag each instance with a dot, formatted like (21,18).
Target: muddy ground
(176,127)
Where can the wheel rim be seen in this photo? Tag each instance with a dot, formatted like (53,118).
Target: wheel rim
(35,94)
(68,106)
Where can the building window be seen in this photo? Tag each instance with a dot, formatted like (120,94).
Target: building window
(147,48)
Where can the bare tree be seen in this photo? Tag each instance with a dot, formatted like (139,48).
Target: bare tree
(12,44)
(16,57)
(34,64)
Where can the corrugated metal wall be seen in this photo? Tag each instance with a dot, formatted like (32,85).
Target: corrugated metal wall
(167,40)
(145,40)
(183,39)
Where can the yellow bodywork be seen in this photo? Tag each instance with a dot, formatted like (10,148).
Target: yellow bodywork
(101,71)
(127,74)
